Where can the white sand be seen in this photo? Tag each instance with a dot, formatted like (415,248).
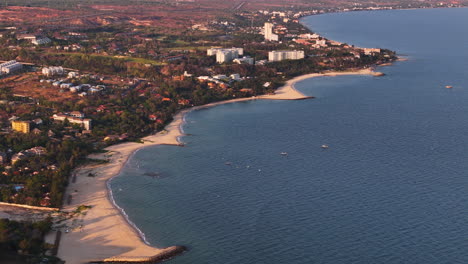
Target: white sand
(104,232)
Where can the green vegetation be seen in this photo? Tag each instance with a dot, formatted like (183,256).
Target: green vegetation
(154,90)
(142,106)
(27,239)
(82,208)
(149,76)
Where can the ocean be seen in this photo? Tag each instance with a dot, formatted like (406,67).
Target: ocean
(391,188)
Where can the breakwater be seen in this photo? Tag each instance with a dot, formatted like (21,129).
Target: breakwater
(165,254)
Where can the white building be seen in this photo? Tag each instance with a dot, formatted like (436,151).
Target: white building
(309,36)
(221,77)
(368,51)
(77,114)
(84,122)
(244,60)
(49,71)
(10,67)
(214,51)
(279,55)
(268,32)
(29,37)
(94,89)
(75,89)
(41,41)
(226,55)
(321,42)
(235,77)
(66,85)
(72,74)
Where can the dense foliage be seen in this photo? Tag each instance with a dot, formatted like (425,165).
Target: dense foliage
(26,237)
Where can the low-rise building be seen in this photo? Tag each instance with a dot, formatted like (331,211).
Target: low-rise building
(75,89)
(220,77)
(26,37)
(369,51)
(41,41)
(235,77)
(50,71)
(309,36)
(21,126)
(72,74)
(35,151)
(244,60)
(66,85)
(38,121)
(36,131)
(36,40)
(303,41)
(77,114)
(321,42)
(84,122)
(10,67)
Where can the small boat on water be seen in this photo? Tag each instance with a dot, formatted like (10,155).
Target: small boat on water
(152,174)
(228,163)
(284,153)
(448,86)
(324,146)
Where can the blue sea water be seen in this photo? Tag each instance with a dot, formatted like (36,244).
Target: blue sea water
(391,188)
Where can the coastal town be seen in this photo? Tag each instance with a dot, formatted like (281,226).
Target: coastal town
(83,87)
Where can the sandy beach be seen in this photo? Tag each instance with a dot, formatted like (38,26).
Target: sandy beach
(289,92)
(103,231)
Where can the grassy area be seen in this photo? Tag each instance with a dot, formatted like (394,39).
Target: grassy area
(188,48)
(181,42)
(125,58)
(142,60)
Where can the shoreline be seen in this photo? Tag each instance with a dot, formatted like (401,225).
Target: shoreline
(105,232)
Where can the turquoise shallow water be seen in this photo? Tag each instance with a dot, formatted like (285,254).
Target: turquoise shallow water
(392,187)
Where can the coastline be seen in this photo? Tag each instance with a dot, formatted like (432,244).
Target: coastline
(289,91)
(105,231)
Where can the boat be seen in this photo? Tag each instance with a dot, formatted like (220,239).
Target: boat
(324,146)
(284,153)
(448,86)
(152,174)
